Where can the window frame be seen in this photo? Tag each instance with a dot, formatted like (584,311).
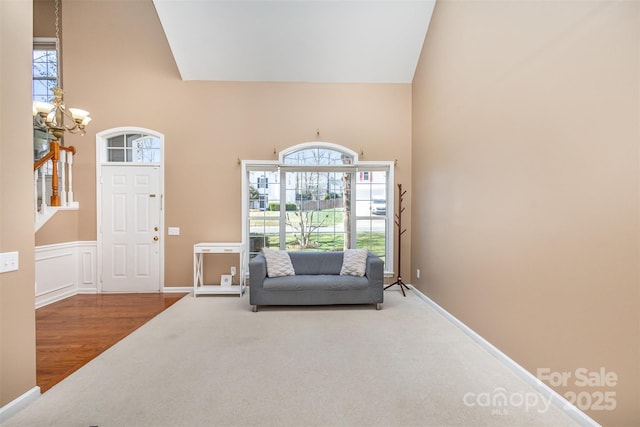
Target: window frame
(354,167)
(42,138)
(44,44)
(131,151)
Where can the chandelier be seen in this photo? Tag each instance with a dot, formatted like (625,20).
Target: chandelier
(50,116)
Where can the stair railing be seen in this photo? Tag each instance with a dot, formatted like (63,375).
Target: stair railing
(61,194)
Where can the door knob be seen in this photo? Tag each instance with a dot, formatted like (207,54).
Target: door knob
(155,238)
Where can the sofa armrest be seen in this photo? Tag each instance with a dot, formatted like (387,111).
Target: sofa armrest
(374,271)
(257,274)
(257,271)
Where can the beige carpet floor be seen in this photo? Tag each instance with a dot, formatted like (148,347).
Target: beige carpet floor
(210,361)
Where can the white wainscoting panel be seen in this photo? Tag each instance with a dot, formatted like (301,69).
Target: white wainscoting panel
(87,274)
(64,270)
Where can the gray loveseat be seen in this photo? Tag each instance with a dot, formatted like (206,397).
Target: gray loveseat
(317,281)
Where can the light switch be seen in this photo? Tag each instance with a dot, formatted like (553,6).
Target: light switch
(174,231)
(8,261)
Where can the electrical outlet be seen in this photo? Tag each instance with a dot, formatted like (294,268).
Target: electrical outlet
(233,271)
(417,273)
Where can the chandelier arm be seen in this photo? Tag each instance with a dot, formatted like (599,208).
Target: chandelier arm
(68,115)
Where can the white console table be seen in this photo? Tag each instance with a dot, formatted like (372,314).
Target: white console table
(199,250)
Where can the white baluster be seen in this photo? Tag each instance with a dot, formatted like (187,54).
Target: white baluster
(63,177)
(70,179)
(35,191)
(43,185)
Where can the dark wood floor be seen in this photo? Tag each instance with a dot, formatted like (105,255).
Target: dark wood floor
(72,332)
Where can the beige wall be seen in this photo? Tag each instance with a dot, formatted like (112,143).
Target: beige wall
(118,65)
(62,227)
(44,18)
(525,151)
(17,313)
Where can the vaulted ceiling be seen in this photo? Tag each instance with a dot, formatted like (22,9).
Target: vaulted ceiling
(355,41)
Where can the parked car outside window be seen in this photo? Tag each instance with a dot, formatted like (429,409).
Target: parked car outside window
(378,207)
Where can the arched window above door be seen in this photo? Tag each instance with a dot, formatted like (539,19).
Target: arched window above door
(131,145)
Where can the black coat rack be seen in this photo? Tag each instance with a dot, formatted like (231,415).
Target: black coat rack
(398,221)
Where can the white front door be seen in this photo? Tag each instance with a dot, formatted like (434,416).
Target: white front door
(131,203)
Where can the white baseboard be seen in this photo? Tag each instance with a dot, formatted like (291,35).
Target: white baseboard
(176,289)
(558,400)
(59,296)
(21,402)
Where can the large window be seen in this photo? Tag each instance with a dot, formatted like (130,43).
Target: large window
(45,69)
(318,197)
(45,77)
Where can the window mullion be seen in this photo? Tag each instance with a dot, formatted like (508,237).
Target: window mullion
(354,218)
(283,207)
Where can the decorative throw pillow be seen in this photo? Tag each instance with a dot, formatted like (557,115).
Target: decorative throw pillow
(354,262)
(278,263)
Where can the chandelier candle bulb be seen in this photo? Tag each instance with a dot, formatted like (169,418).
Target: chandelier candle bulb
(78,114)
(42,107)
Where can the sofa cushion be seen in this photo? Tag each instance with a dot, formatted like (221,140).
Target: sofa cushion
(278,263)
(316,262)
(354,262)
(315,283)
